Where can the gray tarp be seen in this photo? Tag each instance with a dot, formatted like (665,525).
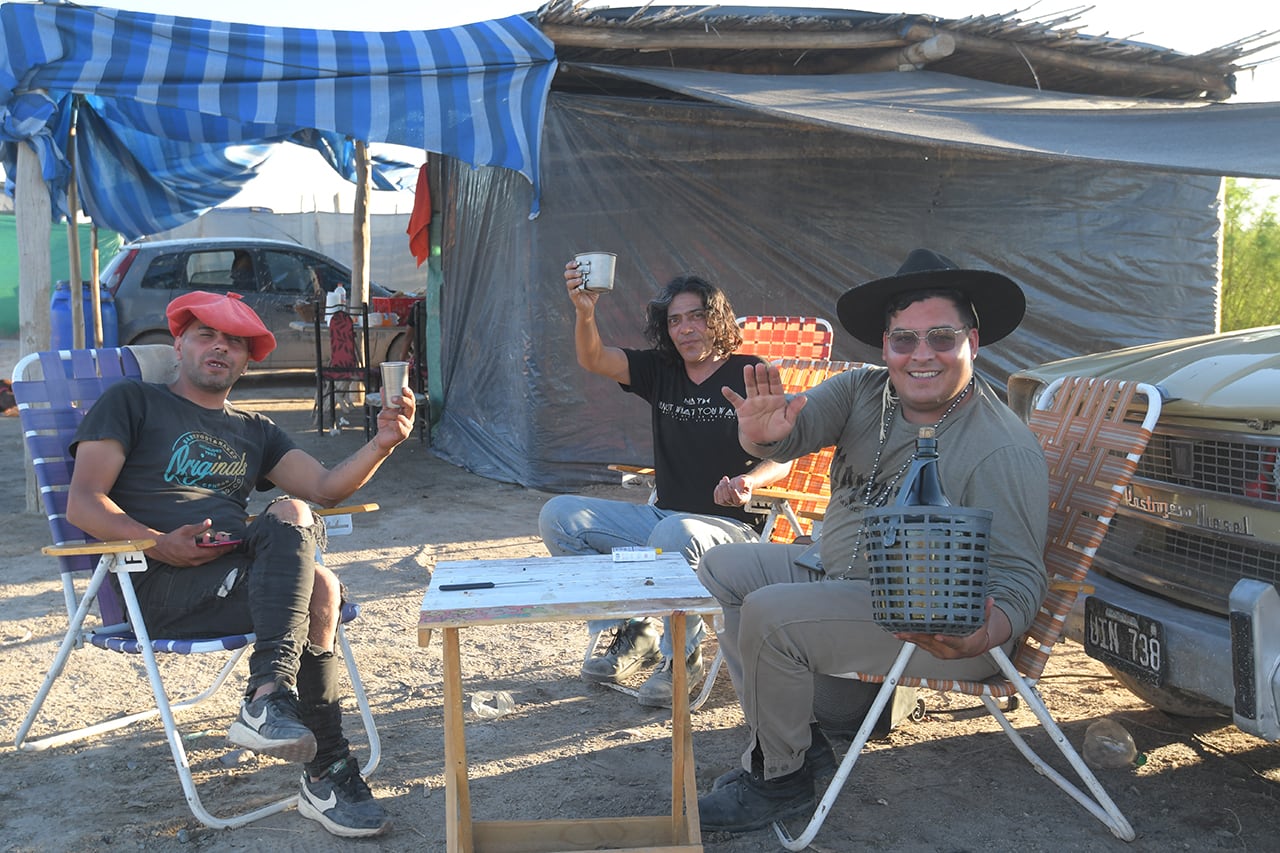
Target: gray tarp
(974,115)
(785,216)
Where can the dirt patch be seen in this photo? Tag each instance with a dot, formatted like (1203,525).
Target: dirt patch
(949,782)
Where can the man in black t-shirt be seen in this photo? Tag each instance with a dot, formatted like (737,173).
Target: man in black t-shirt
(704,478)
(176,463)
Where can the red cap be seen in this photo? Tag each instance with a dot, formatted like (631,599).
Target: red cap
(224,312)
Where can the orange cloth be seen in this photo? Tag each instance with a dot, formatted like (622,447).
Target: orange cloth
(419,229)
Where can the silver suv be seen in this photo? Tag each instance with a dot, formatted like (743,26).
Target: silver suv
(1185,611)
(274,276)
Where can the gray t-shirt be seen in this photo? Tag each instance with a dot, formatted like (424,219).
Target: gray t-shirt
(988,459)
(183,462)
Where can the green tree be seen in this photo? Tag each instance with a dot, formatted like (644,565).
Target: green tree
(1250,259)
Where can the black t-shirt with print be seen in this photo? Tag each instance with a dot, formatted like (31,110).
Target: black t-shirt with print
(695,432)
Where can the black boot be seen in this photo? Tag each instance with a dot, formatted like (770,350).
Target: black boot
(753,802)
(820,758)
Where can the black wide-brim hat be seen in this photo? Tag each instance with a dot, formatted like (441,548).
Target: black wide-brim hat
(997,301)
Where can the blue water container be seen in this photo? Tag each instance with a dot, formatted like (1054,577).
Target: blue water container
(60,334)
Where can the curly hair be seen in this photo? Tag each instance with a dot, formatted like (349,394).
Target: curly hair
(721,321)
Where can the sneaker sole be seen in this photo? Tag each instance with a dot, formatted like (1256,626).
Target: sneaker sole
(307,810)
(300,749)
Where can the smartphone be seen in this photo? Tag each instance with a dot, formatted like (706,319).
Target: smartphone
(219,543)
(811,558)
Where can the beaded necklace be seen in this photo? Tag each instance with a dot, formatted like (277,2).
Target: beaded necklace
(866,494)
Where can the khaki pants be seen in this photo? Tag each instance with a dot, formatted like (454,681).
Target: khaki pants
(782,623)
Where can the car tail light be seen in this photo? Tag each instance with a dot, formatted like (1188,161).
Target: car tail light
(119,271)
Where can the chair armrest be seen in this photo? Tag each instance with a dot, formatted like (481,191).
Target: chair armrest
(346,510)
(117,547)
(641,470)
(774,493)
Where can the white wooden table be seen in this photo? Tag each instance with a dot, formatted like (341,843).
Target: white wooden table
(555,589)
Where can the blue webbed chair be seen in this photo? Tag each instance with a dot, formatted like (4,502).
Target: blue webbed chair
(53,391)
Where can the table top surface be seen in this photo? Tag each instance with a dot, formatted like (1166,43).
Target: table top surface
(550,589)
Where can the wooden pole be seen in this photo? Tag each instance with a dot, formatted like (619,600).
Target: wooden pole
(360,228)
(31,210)
(73,257)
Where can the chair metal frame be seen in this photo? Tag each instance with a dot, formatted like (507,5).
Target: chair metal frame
(1093,433)
(50,410)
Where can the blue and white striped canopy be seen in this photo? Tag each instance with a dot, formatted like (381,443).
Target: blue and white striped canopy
(173,115)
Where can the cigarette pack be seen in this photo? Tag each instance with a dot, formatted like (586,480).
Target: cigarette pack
(635,554)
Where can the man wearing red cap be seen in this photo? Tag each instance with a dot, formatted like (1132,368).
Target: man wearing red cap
(176,464)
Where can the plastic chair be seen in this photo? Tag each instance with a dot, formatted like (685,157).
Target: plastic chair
(772,337)
(349,364)
(53,390)
(1093,433)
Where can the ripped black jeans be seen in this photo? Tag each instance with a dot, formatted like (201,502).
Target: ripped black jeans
(264,586)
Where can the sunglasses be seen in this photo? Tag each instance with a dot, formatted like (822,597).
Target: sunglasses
(939,338)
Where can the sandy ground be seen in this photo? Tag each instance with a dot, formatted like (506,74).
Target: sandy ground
(950,782)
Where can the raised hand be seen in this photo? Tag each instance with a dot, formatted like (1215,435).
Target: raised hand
(765,415)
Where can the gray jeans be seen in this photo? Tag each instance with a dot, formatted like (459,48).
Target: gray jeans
(783,623)
(574,525)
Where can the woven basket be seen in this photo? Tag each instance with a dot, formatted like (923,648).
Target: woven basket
(928,568)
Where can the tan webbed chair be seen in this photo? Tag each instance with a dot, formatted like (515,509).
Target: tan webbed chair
(1093,433)
(53,391)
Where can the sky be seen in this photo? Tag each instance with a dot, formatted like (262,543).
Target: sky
(1176,24)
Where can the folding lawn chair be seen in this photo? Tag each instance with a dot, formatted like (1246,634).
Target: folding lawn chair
(1093,432)
(53,391)
(795,505)
(773,337)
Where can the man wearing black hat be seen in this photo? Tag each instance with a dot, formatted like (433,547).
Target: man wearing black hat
(176,463)
(785,622)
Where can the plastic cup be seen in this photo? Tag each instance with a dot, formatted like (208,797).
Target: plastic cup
(395,376)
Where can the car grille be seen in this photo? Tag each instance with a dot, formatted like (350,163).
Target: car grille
(1239,468)
(1186,562)
(1198,569)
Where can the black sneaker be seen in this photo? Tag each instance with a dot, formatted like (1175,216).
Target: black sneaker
(270,725)
(820,758)
(752,802)
(342,803)
(634,645)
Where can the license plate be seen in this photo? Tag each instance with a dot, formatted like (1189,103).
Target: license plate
(1129,641)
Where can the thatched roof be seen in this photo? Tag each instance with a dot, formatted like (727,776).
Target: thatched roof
(1045,52)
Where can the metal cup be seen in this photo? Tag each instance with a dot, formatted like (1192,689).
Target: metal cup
(395,376)
(597,270)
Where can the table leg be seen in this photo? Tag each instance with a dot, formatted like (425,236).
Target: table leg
(685,826)
(457,794)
